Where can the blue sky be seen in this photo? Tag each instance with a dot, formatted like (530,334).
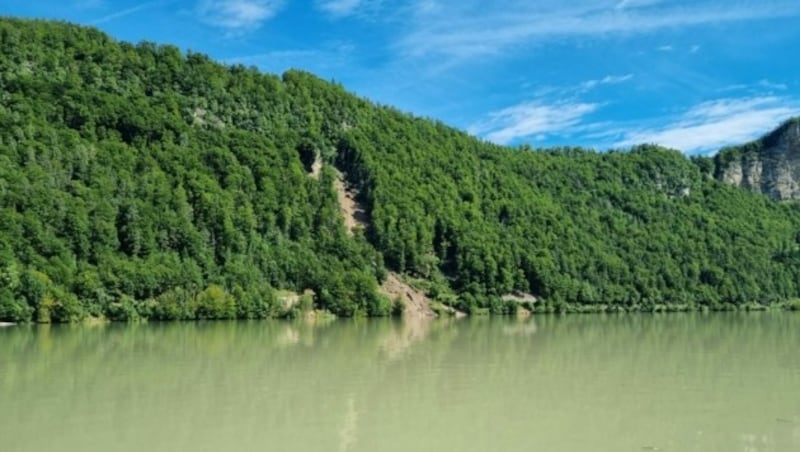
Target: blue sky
(693,75)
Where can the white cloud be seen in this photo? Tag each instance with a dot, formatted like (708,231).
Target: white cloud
(694,49)
(554,110)
(238,15)
(339,8)
(474,28)
(715,124)
(531,119)
(665,48)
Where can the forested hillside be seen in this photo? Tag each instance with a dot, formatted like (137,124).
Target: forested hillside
(140,182)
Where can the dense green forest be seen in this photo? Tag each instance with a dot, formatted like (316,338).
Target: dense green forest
(137,181)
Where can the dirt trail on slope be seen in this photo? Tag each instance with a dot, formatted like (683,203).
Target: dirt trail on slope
(355,216)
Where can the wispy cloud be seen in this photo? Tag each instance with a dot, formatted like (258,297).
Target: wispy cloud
(363,9)
(550,111)
(238,15)
(339,8)
(570,92)
(623,4)
(665,48)
(473,28)
(122,13)
(531,120)
(764,83)
(607,80)
(715,124)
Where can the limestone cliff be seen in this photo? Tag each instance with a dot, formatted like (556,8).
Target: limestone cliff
(770,165)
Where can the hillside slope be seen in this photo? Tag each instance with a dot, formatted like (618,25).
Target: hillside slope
(136,181)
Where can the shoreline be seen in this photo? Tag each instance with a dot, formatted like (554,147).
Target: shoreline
(443,313)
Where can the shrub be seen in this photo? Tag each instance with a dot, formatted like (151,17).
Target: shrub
(13,310)
(123,310)
(214,303)
(171,305)
(67,308)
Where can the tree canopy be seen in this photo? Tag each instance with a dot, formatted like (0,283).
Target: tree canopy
(137,181)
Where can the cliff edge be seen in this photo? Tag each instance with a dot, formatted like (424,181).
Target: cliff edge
(770,165)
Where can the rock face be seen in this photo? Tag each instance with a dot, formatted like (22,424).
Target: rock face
(770,166)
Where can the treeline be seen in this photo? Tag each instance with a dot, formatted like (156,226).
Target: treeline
(140,182)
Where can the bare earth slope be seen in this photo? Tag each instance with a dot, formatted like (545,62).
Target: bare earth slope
(415,302)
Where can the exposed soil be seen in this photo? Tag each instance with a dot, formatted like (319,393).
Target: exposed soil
(353,212)
(453,312)
(291,299)
(316,167)
(520,297)
(417,304)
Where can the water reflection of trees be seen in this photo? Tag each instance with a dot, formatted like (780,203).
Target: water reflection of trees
(315,386)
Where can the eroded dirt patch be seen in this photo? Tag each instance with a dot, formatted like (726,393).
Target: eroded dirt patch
(355,216)
(416,303)
(316,167)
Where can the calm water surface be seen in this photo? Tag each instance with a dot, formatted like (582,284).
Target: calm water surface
(722,382)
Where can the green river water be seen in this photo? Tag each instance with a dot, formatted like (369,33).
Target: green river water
(679,382)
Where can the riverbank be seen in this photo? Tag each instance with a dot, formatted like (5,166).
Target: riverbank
(442,311)
(576,308)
